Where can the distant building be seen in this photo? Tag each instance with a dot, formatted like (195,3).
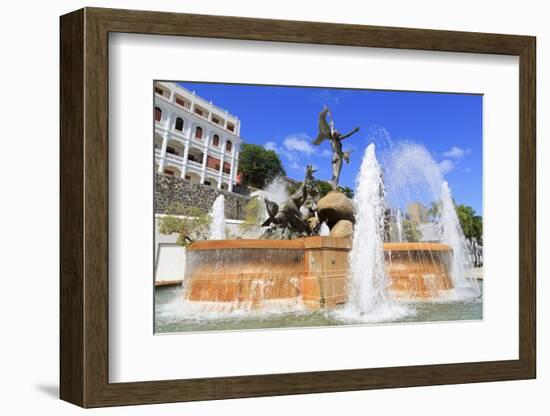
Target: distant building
(417,213)
(194,139)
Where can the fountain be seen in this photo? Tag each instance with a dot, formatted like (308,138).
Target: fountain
(419,271)
(324,231)
(367,287)
(399,224)
(217,226)
(331,252)
(246,274)
(453,236)
(413,175)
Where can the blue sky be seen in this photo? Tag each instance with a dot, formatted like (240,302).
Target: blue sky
(285,119)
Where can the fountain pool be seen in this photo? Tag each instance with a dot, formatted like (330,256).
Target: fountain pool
(174,317)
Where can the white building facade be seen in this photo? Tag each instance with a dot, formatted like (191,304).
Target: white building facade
(194,139)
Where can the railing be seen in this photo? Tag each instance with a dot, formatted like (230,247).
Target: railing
(160,127)
(174,158)
(163,97)
(194,163)
(178,134)
(202,117)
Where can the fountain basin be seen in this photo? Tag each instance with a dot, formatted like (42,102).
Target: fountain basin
(312,271)
(418,270)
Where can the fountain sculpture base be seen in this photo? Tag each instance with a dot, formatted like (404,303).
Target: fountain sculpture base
(313,271)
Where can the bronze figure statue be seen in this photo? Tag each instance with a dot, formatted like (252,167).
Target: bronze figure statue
(327,131)
(287,218)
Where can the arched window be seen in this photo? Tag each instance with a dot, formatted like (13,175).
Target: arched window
(228,146)
(179,124)
(158,114)
(216,140)
(198,132)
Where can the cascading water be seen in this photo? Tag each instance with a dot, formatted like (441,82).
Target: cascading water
(217,226)
(367,289)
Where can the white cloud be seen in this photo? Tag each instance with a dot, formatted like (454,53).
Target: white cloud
(270,146)
(445,166)
(291,157)
(295,146)
(300,143)
(296,166)
(296,149)
(456,152)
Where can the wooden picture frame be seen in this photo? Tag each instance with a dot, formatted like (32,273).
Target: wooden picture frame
(84,207)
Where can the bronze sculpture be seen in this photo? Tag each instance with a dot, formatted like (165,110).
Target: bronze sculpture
(327,131)
(287,221)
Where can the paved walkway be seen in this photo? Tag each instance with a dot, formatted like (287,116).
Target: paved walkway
(475,273)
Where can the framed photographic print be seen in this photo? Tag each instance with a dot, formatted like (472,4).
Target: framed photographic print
(255,207)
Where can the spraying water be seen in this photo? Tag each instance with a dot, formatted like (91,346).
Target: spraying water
(367,289)
(276,191)
(399,224)
(217,226)
(452,235)
(324,230)
(413,176)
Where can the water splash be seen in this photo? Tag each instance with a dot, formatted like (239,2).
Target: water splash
(410,175)
(413,176)
(367,288)
(399,224)
(217,226)
(277,191)
(452,235)
(324,231)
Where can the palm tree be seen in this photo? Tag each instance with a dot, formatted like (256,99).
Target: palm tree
(435,210)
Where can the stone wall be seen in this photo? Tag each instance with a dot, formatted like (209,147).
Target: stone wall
(171,190)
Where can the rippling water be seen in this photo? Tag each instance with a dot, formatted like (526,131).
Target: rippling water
(171,317)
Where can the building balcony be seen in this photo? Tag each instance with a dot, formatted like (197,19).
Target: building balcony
(174,158)
(164,97)
(205,118)
(160,126)
(192,165)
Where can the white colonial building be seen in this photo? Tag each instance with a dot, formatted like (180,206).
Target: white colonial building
(194,139)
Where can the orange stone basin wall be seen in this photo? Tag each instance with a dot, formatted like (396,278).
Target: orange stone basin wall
(418,270)
(313,270)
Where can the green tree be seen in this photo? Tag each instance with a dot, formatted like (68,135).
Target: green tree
(478,228)
(323,188)
(259,166)
(435,210)
(411,233)
(347,191)
(251,214)
(190,223)
(472,224)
